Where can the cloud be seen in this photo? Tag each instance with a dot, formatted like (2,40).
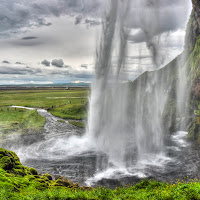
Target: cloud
(78,19)
(43,22)
(83,82)
(19,63)
(84,66)
(92,22)
(29,38)
(58,63)
(6,62)
(16,15)
(19,70)
(152,18)
(40,82)
(27,42)
(67,66)
(45,63)
(37,12)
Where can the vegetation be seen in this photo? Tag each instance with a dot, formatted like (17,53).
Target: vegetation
(71,111)
(194,61)
(78,124)
(20,182)
(15,120)
(67,104)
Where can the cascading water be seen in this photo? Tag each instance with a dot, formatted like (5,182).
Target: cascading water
(125,119)
(108,108)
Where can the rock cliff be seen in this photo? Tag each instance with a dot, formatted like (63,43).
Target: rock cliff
(170,79)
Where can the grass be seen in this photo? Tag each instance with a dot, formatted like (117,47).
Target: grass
(67,104)
(71,111)
(15,120)
(78,124)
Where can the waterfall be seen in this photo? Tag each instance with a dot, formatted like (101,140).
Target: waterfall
(125,119)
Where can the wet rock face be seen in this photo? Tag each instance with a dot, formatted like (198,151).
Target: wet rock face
(193,27)
(196,7)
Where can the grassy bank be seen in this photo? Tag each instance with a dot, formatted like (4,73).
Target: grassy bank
(67,104)
(15,120)
(78,124)
(19,182)
(70,111)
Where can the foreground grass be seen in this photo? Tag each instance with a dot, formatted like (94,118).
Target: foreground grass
(19,182)
(20,121)
(67,104)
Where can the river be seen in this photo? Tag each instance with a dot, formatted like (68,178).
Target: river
(63,150)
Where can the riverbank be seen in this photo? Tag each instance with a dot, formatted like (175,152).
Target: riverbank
(20,182)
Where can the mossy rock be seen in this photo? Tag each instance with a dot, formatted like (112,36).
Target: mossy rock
(33,171)
(61,181)
(6,163)
(48,177)
(10,162)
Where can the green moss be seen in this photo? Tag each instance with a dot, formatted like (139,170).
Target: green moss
(6,163)
(194,62)
(48,177)
(33,171)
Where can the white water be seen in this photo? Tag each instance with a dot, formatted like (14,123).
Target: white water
(68,154)
(124,124)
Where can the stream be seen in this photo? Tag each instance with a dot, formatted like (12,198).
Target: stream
(63,150)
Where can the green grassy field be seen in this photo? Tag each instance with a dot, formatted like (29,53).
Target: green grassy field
(19,121)
(43,98)
(20,182)
(67,104)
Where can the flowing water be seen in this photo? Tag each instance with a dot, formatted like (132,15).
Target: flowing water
(70,154)
(126,125)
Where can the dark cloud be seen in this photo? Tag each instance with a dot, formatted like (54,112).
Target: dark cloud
(43,22)
(83,75)
(45,63)
(6,62)
(78,19)
(84,66)
(19,63)
(29,38)
(17,14)
(58,63)
(19,70)
(92,22)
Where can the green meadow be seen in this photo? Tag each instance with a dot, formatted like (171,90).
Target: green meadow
(66,104)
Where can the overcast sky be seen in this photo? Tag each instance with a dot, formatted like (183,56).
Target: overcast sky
(54,41)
